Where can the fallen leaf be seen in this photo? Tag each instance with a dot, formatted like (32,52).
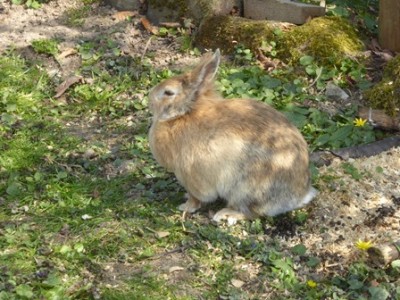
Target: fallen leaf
(175,269)
(237,283)
(123,15)
(67,52)
(146,24)
(66,84)
(162,234)
(170,24)
(86,217)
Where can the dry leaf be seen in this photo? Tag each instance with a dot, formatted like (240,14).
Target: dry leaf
(237,283)
(170,24)
(175,268)
(67,52)
(146,24)
(66,84)
(123,15)
(162,234)
(86,217)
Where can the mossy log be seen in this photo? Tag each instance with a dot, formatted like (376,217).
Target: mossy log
(386,94)
(327,39)
(225,32)
(384,254)
(380,119)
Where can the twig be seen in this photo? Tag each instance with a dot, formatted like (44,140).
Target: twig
(145,48)
(316,79)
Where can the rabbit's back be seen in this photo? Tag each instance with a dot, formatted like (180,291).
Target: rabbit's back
(241,150)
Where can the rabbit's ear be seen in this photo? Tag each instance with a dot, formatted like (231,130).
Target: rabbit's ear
(204,73)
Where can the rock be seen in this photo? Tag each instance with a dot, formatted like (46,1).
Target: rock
(126,4)
(171,11)
(281,10)
(334,92)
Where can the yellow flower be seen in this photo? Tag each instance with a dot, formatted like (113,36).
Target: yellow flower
(363,245)
(359,122)
(311,283)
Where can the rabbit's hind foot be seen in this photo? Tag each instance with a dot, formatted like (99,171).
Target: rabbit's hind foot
(191,205)
(230,215)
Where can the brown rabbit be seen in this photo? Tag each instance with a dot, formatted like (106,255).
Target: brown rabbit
(240,150)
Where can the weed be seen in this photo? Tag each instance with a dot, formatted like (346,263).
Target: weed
(34,4)
(76,16)
(45,46)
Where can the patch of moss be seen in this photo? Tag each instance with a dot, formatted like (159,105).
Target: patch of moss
(386,94)
(225,32)
(327,39)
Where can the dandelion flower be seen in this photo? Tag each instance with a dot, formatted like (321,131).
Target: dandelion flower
(311,283)
(359,122)
(363,245)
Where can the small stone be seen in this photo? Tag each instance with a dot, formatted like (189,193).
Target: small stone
(237,283)
(334,92)
(89,153)
(162,234)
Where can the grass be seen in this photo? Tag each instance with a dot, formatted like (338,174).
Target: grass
(86,213)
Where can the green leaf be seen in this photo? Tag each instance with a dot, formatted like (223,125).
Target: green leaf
(7,118)
(355,284)
(38,176)
(310,70)
(24,290)
(79,247)
(395,264)
(313,262)
(341,133)
(299,120)
(306,60)
(322,139)
(52,280)
(65,249)
(299,249)
(11,107)
(62,175)
(378,293)
(14,189)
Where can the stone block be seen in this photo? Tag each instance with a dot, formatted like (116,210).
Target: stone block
(281,10)
(172,10)
(125,4)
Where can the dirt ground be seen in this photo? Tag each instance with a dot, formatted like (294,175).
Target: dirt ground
(347,209)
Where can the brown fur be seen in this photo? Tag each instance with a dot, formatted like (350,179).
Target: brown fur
(238,149)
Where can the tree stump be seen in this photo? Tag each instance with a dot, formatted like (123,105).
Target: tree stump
(389,24)
(384,254)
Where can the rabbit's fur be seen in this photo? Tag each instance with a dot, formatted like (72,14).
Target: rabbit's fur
(240,150)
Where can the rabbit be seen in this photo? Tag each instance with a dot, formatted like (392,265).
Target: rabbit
(240,150)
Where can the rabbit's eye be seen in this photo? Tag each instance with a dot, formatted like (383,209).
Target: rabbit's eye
(169,93)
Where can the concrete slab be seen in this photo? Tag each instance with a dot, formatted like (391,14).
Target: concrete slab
(281,10)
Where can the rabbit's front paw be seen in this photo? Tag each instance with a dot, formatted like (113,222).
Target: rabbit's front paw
(191,205)
(230,215)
